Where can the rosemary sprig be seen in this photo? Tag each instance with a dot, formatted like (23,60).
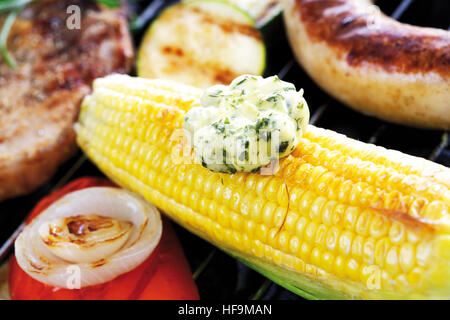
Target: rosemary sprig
(8,5)
(4,37)
(109,3)
(12,8)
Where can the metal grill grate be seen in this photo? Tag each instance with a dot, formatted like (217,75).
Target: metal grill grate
(219,276)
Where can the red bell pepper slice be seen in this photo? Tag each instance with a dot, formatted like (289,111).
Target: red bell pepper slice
(164,275)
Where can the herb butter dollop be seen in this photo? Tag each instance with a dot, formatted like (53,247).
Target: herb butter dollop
(247,124)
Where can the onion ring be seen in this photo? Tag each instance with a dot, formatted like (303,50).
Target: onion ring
(46,248)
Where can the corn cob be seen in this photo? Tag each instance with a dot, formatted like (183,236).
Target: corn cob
(339,219)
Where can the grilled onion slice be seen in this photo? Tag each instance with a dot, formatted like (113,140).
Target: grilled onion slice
(102,232)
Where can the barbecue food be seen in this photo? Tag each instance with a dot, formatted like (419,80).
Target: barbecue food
(146,263)
(372,63)
(229,136)
(201,43)
(339,219)
(39,101)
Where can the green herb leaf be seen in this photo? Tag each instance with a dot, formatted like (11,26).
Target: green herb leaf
(9,21)
(261,124)
(109,3)
(240,82)
(8,5)
(283,146)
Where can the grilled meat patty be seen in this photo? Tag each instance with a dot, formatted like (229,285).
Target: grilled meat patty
(40,99)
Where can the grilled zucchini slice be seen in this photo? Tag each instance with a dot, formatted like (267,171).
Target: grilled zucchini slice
(201,43)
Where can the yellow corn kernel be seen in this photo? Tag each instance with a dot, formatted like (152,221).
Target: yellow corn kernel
(338,211)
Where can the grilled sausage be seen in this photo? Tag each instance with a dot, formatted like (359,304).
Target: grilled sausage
(374,64)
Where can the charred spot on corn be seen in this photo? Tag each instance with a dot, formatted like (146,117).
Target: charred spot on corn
(243,126)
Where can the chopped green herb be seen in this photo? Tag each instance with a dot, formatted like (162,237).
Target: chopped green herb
(299,124)
(265,135)
(255,170)
(283,146)
(216,94)
(240,82)
(231,169)
(263,123)
(244,156)
(249,127)
(220,128)
(272,99)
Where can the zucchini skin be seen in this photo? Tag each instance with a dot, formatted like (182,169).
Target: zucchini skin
(263,13)
(191,62)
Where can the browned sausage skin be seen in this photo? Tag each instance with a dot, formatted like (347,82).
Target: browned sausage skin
(397,72)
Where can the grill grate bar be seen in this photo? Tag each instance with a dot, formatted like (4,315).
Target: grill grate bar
(149,13)
(319,113)
(204,264)
(70,173)
(402,7)
(8,246)
(287,67)
(440,147)
(262,289)
(380,130)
